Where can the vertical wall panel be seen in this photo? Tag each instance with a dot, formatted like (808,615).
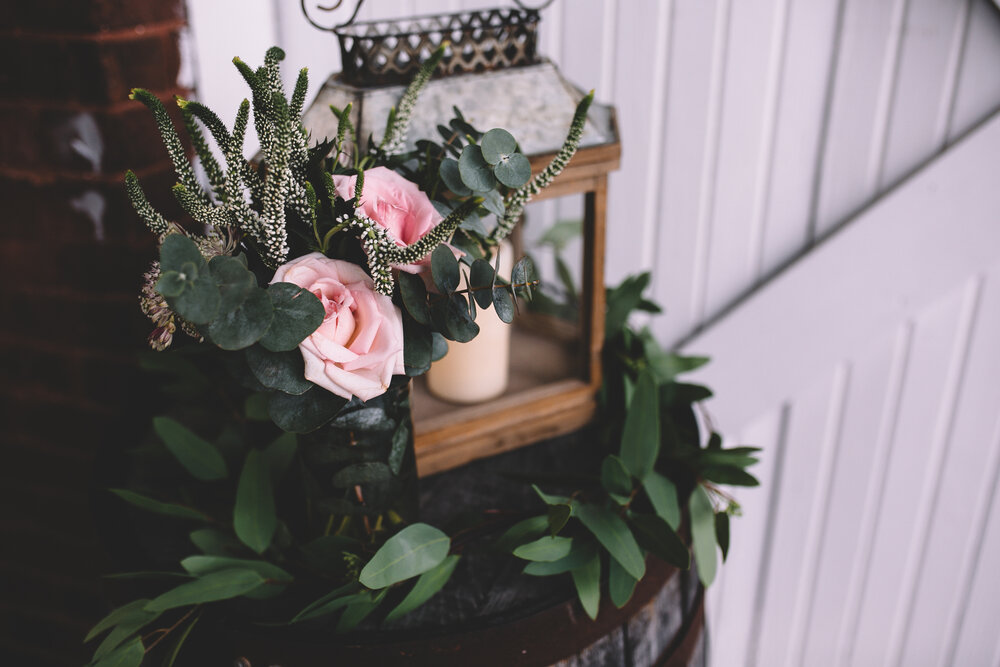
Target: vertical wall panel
(978,92)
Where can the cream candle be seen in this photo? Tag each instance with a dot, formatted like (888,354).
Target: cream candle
(478,370)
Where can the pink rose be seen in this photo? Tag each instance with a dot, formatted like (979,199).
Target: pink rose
(395,204)
(359,346)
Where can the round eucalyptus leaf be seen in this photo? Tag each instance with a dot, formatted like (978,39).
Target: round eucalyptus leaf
(523,275)
(461,324)
(177,249)
(481,281)
(474,223)
(503,303)
(244,326)
(498,144)
(451,177)
(414,293)
(439,346)
(305,413)
(513,171)
(199,302)
(170,284)
(493,202)
(417,347)
(233,280)
(444,269)
(284,371)
(476,173)
(297,314)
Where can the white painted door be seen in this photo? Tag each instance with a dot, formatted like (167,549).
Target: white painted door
(870,373)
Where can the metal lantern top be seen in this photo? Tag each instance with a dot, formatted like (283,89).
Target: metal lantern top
(389,52)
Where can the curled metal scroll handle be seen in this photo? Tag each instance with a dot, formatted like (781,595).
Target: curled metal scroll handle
(544,5)
(336,5)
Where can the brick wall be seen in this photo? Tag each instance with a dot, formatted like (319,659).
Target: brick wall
(71,256)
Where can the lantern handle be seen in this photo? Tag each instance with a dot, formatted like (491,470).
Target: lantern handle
(336,5)
(545,5)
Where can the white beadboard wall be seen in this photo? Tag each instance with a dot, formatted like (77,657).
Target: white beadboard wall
(760,135)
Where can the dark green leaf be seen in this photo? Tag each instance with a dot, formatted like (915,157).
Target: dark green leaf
(417,347)
(498,144)
(545,549)
(558,516)
(125,614)
(146,574)
(524,274)
(305,413)
(444,269)
(402,440)
(513,171)
(358,610)
(669,365)
(621,584)
(587,580)
(179,643)
(221,585)
(550,498)
(614,535)
(279,454)
(177,250)
(146,503)
(214,542)
(297,314)
(427,586)
(439,346)
(245,325)
(503,303)
(729,475)
(198,456)
(493,202)
(233,279)
(199,302)
(254,516)
(202,565)
(461,325)
(680,393)
(703,534)
(329,603)
(481,279)
(656,535)
(579,555)
(614,477)
(722,533)
(663,496)
(414,293)
(361,473)
(476,172)
(641,436)
(561,233)
(284,371)
(128,655)
(172,283)
(522,532)
(255,407)
(452,178)
(622,300)
(412,551)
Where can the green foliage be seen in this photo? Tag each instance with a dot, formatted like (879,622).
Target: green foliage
(587,580)
(410,552)
(703,539)
(427,586)
(218,585)
(254,515)
(198,456)
(546,549)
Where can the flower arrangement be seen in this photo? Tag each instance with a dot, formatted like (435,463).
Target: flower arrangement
(317,283)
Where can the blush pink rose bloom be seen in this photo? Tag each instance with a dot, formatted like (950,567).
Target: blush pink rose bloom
(395,204)
(359,345)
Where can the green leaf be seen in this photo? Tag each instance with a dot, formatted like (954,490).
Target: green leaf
(417,347)
(546,549)
(481,278)
(254,516)
(521,532)
(452,177)
(297,314)
(122,615)
(176,650)
(177,250)
(587,580)
(284,371)
(305,413)
(551,498)
(361,473)
(679,393)
(401,439)
(358,610)
(414,294)
(198,456)
(621,301)
(656,535)
(476,172)
(255,407)
(558,517)
(234,281)
(669,365)
(202,565)
(503,303)
(613,534)
(614,477)
(621,584)
(513,171)
(128,655)
(497,144)
(279,455)
(523,273)
(493,202)
(150,505)
(221,585)
(579,555)
(561,233)
(171,283)
(663,496)
(214,542)
(412,551)
(245,325)
(199,302)
(329,603)
(641,436)
(703,534)
(722,533)
(729,475)
(439,346)
(461,325)
(444,269)
(427,586)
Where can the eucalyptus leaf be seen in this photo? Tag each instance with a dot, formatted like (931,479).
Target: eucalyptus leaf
(401,439)
(663,496)
(703,534)
(641,436)
(427,586)
(254,516)
(171,283)
(460,323)
(475,171)
(128,655)
(558,517)
(414,294)
(412,551)
(656,535)
(221,585)
(214,542)
(418,347)
(444,269)
(523,274)
(202,565)
(614,477)
(587,580)
(498,144)
(481,278)
(305,413)
(126,613)
(358,610)
(503,303)
(545,549)
(579,555)
(245,325)
(452,178)
(198,456)
(439,346)
(614,535)
(329,603)
(151,505)
(621,584)
(284,371)
(177,250)
(493,202)
(199,301)
(522,532)
(233,280)
(279,454)
(513,171)
(297,314)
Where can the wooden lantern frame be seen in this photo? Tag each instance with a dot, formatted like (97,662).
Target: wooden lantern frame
(467,433)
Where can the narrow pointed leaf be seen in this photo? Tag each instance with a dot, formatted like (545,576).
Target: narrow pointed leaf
(703,534)
(124,614)
(254,516)
(614,535)
(587,580)
(128,655)
(198,456)
(522,532)
(621,584)
(663,496)
(412,551)
(641,437)
(545,549)
(427,586)
(151,505)
(614,476)
(722,533)
(579,555)
(202,565)
(657,537)
(221,585)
